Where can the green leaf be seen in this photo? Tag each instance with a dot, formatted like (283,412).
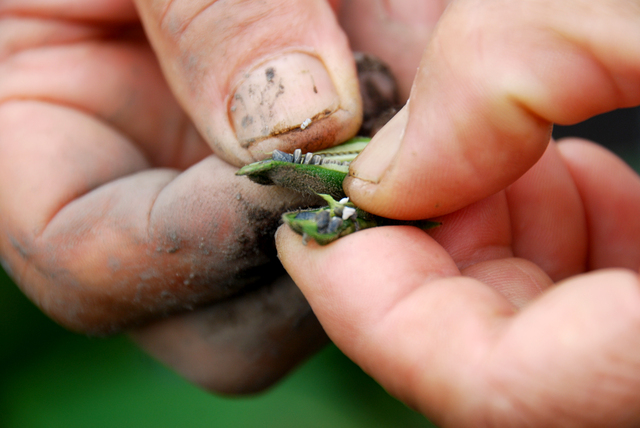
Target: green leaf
(307,179)
(326,178)
(298,172)
(325,225)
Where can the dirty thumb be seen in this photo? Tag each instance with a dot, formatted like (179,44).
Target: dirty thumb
(257,76)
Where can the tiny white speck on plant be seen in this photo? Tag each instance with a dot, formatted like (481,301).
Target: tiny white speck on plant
(344,200)
(306,123)
(347,212)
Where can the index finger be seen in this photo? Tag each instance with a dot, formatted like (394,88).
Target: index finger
(100,242)
(455,348)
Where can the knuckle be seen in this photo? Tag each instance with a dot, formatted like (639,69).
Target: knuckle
(42,271)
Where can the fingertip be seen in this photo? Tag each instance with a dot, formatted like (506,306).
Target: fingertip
(360,276)
(289,244)
(252,84)
(577,147)
(376,182)
(299,100)
(374,161)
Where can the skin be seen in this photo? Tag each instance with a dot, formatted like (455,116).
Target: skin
(523,308)
(119,203)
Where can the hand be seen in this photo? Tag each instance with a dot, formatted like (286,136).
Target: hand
(523,308)
(118,206)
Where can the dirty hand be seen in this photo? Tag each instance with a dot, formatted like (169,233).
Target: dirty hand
(523,308)
(121,128)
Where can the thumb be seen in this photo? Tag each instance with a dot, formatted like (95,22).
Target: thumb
(256,76)
(492,80)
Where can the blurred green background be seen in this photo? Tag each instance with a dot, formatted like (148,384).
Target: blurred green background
(53,378)
(50,377)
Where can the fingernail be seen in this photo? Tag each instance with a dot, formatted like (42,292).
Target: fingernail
(280,95)
(375,159)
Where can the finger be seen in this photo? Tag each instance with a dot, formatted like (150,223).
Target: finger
(576,342)
(547,218)
(240,345)
(518,280)
(52,155)
(541,219)
(479,240)
(456,350)
(100,243)
(610,192)
(408,252)
(395,31)
(106,70)
(479,232)
(93,10)
(359,287)
(251,74)
(483,101)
